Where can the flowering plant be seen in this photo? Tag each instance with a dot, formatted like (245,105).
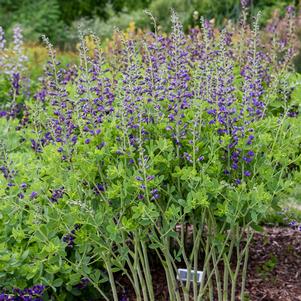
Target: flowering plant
(177,150)
(14,86)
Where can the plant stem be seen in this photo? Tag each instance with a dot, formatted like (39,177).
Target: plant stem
(174,293)
(138,267)
(195,252)
(217,277)
(112,281)
(234,276)
(148,275)
(211,290)
(227,268)
(245,266)
(244,275)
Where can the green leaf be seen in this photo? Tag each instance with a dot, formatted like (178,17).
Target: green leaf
(58,282)
(257,227)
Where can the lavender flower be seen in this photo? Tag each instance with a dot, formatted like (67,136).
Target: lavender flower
(245,3)
(70,237)
(28,294)
(290,10)
(33,195)
(18,48)
(247,173)
(84,282)
(23,185)
(99,188)
(57,194)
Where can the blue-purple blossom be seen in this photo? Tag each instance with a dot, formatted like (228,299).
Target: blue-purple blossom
(33,195)
(244,3)
(149,178)
(57,194)
(33,293)
(23,185)
(99,188)
(247,173)
(84,283)
(20,195)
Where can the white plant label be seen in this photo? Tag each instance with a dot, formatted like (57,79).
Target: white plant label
(183,275)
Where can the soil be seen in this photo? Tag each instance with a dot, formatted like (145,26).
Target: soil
(274,270)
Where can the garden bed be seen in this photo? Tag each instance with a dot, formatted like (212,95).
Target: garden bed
(274,271)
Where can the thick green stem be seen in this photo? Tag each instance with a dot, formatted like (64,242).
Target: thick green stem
(147,272)
(227,268)
(211,290)
(240,256)
(174,293)
(133,271)
(238,261)
(168,276)
(195,252)
(244,276)
(138,269)
(173,286)
(217,277)
(208,255)
(245,266)
(205,269)
(112,281)
(181,243)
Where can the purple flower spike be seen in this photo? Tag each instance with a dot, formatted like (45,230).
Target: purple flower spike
(21,196)
(33,195)
(290,9)
(23,185)
(3,113)
(292,223)
(250,153)
(244,3)
(149,178)
(99,189)
(247,173)
(83,283)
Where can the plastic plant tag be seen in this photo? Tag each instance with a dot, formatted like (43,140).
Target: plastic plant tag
(183,273)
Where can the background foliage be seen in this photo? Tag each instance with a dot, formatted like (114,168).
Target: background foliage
(58,19)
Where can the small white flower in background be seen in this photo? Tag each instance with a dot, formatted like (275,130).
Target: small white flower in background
(2,39)
(20,57)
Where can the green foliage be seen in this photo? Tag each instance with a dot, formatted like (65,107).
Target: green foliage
(117,199)
(106,27)
(58,19)
(267,268)
(35,17)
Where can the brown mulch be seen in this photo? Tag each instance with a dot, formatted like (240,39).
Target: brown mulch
(274,270)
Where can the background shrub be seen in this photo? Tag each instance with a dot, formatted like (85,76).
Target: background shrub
(58,18)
